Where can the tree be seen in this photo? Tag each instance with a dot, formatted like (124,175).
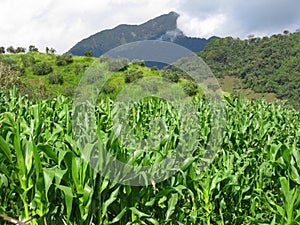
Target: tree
(32,48)
(52,51)
(286,32)
(20,50)
(11,50)
(2,50)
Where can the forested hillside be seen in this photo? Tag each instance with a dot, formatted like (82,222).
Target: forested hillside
(266,65)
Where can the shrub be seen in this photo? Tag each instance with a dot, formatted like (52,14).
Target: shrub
(69,91)
(132,76)
(115,65)
(56,79)
(172,76)
(190,88)
(65,59)
(9,77)
(108,88)
(43,68)
(27,60)
(80,68)
(138,62)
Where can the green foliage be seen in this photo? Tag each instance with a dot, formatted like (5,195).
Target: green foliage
(108,88)
(65,59)
(69,91)
(32,48)
(43,68)
(2,50)
(132,76)
(254,178)
(20,50)
(9,77)
(266,65)
(50,50)
(56,79)
(116,65)
(80,68)
(170,75)
(11,50)
(12,63)
(190,88)
(27,60)
(138,62)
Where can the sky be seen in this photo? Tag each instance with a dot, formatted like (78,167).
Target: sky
(62,23)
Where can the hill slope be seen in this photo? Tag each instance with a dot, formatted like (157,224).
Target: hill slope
(163,27)
(265,65)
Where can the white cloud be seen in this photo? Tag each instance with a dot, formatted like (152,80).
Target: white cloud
(62,23)
(195,27)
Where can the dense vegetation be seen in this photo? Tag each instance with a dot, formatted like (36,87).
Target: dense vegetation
(254,178)
(43,75)
(266,65)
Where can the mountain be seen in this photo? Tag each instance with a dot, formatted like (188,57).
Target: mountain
(163,28)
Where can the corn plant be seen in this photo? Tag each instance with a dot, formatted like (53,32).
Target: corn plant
(46,176)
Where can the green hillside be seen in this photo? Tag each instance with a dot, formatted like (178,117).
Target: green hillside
(258,68)
(43,75)
(47,75)
(268,65)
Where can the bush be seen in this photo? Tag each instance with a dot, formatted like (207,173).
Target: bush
(132,76)
(69,91)
(190,88)
(115,65)
(65,59)
(42,68)
(138,62)
(108,88)
(13,65)
(172,76)
(80,68)
(56,79)
(27,60)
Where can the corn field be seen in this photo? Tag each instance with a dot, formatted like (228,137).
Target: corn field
(253,179)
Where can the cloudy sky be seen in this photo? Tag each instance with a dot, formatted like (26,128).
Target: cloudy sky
(62,23)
